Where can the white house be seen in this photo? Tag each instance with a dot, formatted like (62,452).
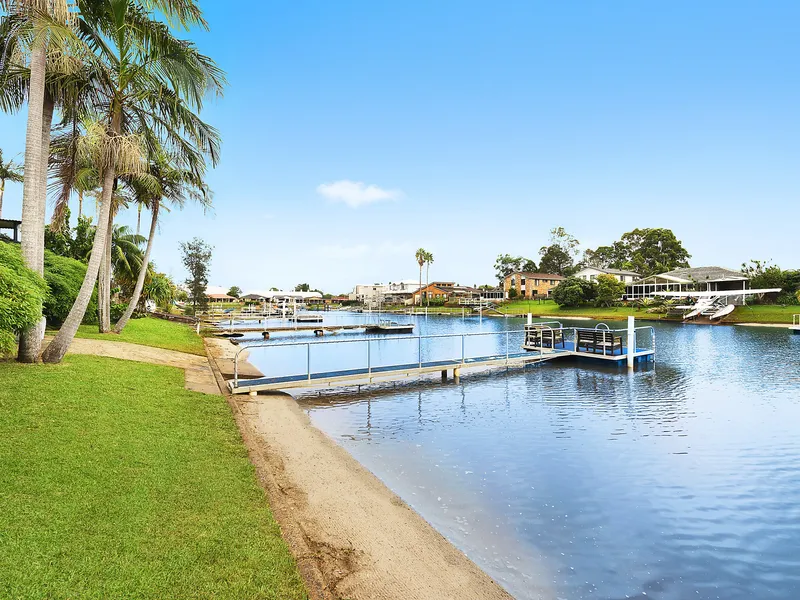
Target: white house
(398,291)
(591,273)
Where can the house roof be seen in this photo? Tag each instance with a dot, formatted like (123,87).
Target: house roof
(529,274)
(221,296)
(705,274)
(613,271)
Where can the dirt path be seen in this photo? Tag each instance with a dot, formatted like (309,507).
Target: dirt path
(348,531)
(199,377)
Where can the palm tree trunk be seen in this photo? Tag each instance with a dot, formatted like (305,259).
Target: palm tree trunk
(427,283)
(137,290)
(104,281)
(139,219)
(34,190)
(2,191)
(80,203)
(60,344)
(420,285)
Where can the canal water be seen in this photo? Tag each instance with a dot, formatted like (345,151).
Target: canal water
(573,480)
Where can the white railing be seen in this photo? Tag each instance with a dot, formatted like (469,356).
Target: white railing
(505,352)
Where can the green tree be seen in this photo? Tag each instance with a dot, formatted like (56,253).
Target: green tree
(608,290)
(150,84)
(556,260)
(574,291)
(9,171)
(505,265)
(22,293)
(302,287)
(159,289)
(428,262)
(235,291)
(197,260)
(64,276)
(420,255)
(167,180)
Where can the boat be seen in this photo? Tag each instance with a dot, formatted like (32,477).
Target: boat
(724,311)
(385,326)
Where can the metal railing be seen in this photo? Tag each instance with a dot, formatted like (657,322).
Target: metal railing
(369,340)
(544,328)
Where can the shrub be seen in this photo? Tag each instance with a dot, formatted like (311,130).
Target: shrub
(574,291)
(64,277)
(609,290)
(22,293)
(117,310)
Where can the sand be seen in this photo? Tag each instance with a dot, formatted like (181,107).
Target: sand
(353,537)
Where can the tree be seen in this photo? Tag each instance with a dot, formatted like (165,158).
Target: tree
(574,291)
(556,260)
(40,20)
(428,261)
(22,293)
(601,258)
(147,92)
(170,180)
(159,289)
(197,260)
(235,291)
(9,171)
(505,265)
(421,254)
(302,287)
(651,251)
(559,256)
(608,290)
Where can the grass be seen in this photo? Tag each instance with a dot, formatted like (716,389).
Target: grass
(549,308)
(142,491)
(763,313)
(154,332)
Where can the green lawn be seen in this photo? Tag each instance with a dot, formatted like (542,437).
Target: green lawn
(150,331)
(115,482)
(763,314)
(549,308)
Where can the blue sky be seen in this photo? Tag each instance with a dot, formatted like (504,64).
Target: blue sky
(475,127)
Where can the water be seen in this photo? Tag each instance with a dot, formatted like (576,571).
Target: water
(570,480)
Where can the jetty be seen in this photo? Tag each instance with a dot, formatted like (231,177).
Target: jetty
(540,342)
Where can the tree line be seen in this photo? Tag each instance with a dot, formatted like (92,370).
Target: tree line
(113,97)
(644,251)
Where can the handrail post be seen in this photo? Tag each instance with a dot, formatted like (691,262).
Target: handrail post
(507,346)
(369,358)
(462,349)
(236,370)
(308,360)
(419,350)
(631,340)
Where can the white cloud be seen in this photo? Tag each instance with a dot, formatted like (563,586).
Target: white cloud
(356,193)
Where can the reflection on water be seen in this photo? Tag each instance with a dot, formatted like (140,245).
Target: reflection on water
(678,481)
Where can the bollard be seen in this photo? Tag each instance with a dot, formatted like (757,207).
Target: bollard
(631,340)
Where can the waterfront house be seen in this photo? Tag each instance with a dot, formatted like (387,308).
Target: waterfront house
(591,273)
(444,291)
(531,285)
(388,293)
(694,279)
(217,298)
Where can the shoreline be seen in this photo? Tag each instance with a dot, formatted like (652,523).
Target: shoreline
(351,535)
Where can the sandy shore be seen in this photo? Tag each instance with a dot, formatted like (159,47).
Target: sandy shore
(352,536)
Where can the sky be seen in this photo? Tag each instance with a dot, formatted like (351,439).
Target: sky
(355,132)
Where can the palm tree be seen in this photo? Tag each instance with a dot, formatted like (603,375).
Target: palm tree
(127,257)
(149,88)
(10,171)
(37,23)
(428,261)
(420,255)
(174,184)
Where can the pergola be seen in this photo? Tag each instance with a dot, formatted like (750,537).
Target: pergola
(10,224)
